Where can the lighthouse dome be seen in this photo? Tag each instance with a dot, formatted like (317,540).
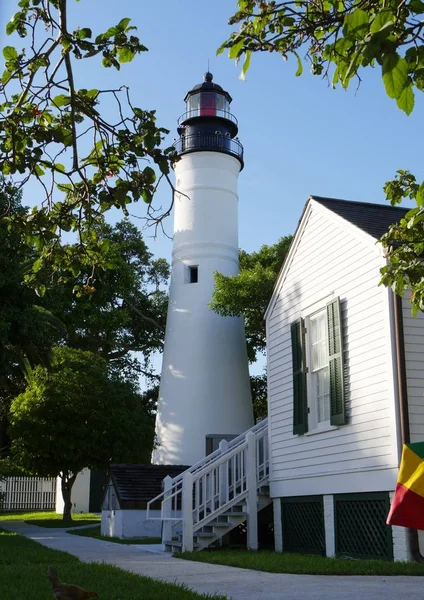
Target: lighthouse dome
(208,86)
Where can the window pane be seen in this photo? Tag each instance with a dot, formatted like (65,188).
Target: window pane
(319,354)
(323,394)
(207,104)
(193,103)
(319,365)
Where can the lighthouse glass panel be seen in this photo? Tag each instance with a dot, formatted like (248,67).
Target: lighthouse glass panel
(222,106)
(207,104)
(193,105)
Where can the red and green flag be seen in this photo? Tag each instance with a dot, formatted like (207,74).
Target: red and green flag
(407,508)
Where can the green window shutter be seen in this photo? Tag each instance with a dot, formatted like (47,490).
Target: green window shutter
(335,353)
(300,404)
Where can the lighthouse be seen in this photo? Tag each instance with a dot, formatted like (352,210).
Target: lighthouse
(205,390)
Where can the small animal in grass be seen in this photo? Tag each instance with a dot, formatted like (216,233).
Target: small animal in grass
(67,591)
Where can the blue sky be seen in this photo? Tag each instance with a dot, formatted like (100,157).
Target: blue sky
(300,137)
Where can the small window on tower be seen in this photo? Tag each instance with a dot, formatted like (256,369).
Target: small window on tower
(193,274)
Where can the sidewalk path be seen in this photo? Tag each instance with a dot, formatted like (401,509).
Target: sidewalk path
(239,584)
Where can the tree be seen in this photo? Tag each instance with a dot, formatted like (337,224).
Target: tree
(77,415)
(57,134)
(339,39)
(248,294)
(27,329)
(125,312)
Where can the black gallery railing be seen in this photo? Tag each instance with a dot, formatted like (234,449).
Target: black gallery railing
(207,112)
(215,142)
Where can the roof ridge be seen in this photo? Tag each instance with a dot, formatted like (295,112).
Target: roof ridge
(358,202)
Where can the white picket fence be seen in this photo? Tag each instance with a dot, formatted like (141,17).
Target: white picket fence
(27,493)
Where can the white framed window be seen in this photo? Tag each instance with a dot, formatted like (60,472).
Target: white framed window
(318,371)
(318,376)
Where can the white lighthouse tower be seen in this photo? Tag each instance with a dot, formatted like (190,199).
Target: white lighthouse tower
(205,389)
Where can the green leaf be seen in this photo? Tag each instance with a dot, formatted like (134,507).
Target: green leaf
(419,198)
(104,245)
(123,24)
(112,31)
(395,74)
(382,19)
(40,290)
(125,54)
(416,6)
(146,195)
(299,65)
(356,24)
(149,175)
(406,100)
(221,49)
(10,27)
(246,65)
(92,93)
(10,53)
(61,100)
(64,187)
(85,32)
(6,77)
(235,50)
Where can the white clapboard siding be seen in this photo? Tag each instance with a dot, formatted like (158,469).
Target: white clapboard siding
(332,260)
(27,493)
(413,328)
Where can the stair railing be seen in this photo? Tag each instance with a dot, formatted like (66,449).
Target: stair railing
(232,477)
(215,484)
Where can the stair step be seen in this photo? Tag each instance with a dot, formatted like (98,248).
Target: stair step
(204,534)
(176,544)
(234,514)
(217,524)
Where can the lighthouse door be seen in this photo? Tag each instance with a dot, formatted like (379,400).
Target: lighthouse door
(213,440)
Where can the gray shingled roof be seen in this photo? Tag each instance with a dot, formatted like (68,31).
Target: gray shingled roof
(374,219)
(135,485)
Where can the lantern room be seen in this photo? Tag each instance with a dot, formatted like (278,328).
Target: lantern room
(208,123)
(208,100)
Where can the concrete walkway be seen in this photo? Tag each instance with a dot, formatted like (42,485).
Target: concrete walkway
(238,584)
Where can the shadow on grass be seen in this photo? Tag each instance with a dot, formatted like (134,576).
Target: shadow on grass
(23,575)
(94,532)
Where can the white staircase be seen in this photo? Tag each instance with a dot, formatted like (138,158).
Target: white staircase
(217,494)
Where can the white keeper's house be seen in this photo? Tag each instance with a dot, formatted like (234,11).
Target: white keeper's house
(345,385)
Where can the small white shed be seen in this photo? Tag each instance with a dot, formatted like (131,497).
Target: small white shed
(129,488)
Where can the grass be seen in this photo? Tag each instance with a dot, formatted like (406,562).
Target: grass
(23,575)
(50,519)
(276,562)
(94,532)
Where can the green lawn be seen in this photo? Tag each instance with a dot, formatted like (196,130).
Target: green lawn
(23,575)
(275,562)
(50,519)
(94,532)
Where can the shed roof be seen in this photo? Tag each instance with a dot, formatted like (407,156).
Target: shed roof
(135,485)
(374,219)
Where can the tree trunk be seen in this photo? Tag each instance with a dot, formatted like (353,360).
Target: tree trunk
(68,481)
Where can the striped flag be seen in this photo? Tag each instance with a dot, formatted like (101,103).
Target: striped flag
(407,508)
